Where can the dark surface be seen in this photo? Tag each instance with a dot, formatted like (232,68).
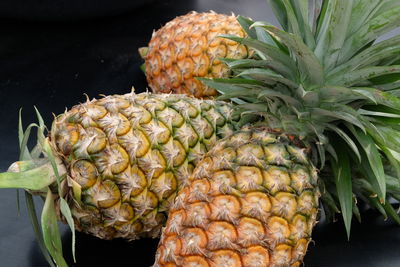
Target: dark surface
(51,65)
(65,9)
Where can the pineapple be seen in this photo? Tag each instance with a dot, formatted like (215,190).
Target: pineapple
(121,160)
(327,96)
(252,201)
(189,46)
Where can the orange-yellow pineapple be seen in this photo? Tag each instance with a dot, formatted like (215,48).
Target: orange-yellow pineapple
(252,201)
(189,46)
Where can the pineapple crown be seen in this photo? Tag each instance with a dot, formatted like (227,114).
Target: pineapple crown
(328,79)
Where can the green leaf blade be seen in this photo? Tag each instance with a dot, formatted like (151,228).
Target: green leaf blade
(369,32)
(342,173)
(35,179)
(36,227)
(266,50)
(308,63)
(51,233)
(66,212)
(372,163)
(358,76)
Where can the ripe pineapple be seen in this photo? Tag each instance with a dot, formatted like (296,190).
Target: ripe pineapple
(252,201)
(340,102)
(189,46)
(121,160)
(128,155)
(327,97)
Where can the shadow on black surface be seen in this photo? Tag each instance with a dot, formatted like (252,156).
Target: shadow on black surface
(372,243)
(69,10)
(91,251)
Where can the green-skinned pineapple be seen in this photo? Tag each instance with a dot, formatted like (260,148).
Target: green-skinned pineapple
(128,156)
(121,160)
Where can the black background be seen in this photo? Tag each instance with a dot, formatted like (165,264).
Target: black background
(50,61)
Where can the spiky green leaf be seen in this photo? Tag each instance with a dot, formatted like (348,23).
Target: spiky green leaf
(253,63)
(308,63)
(51,233)
(345,137)
(333,32)
(267,76)
(280,12)
(66,212)
(36,227)
(369,57)
(246,23)
(361,11)
(267,50)
(341,170)
(302,8)
(358,76)
(369,31)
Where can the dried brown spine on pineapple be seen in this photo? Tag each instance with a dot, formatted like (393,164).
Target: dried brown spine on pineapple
(252,201)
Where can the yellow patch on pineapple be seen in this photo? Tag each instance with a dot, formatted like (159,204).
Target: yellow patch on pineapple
(284,204)
(299,227)
(257,205)
(278,228)
(107,195)
(277,179)
(249,178)
(223,181)
(300,249)
(281,255)
(98,140)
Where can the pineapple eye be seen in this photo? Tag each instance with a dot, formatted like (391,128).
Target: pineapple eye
(194,241)
(250,231)
(195,261)
(249,178)
(98,138)
(256,256)
(282,255)
(84,173)
(137,180)
(126,212)
(225,207)
(226,257)
(66,137)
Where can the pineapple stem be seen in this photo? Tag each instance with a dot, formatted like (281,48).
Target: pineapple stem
(21,175)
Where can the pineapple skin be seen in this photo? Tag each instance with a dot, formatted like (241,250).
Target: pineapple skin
(252,201)
(188,47)
(127,156)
